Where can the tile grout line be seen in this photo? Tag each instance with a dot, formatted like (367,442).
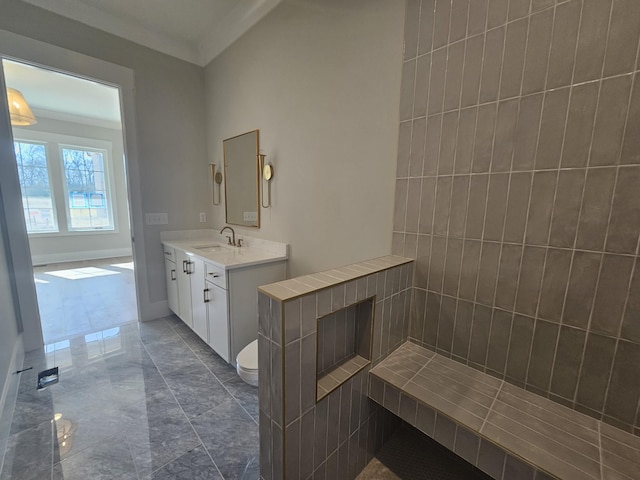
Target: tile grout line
(526,228)
(601,261)
(555,197)
(511,172)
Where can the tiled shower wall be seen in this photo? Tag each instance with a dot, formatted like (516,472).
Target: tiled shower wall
(518,192)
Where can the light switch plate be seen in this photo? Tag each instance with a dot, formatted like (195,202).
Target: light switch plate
(250,216)
(156,218)
(203,217)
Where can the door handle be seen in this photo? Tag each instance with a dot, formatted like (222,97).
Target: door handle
(173,274)
(204,294)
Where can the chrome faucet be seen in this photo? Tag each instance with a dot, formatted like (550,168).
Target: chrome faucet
(230,241)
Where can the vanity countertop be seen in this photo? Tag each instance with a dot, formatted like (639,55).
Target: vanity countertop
(212,248)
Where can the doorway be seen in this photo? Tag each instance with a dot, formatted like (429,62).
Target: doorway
(69,153)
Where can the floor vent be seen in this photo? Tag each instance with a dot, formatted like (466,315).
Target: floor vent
(48,377)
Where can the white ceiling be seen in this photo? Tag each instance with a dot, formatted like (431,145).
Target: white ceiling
(193,30)
(64,97)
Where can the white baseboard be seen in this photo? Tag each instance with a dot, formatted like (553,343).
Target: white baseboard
(49,258)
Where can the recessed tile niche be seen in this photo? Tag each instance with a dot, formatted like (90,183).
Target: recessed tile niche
(344,345)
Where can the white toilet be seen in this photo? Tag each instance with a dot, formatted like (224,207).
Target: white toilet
(247,363)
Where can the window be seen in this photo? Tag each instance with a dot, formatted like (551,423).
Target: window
(86,187)
(65,183)
(37,198)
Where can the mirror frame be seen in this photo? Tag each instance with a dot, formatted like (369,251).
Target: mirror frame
(257,179)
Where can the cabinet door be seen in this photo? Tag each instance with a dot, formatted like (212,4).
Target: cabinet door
(218,321)
(184,286)
(172,285)
(199,298)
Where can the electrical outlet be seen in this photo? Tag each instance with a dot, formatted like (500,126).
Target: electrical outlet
(203,217)
(156,218)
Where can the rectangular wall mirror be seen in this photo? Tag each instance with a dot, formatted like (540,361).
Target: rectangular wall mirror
(241,180)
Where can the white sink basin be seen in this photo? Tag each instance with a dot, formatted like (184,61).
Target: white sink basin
(212,248)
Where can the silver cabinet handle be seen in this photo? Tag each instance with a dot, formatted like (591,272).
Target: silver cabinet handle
(204,293)
(214,275)
(189,271)
(173,274)
(184,266)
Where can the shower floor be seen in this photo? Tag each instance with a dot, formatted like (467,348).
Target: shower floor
(410,455)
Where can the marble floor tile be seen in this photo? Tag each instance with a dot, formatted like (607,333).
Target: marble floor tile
(29,454)
(196,393)
(193,465)
(245,394)
(110,459)
(134,401)
(217,365)
(231,437)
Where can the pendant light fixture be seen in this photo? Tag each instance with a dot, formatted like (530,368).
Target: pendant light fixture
(21,114)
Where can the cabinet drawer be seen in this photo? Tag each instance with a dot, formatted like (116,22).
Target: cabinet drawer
(169,253)
(216,275)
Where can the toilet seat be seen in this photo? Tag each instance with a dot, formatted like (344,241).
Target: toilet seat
(247,363)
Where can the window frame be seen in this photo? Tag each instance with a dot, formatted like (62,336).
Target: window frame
(55,142)
(54,203)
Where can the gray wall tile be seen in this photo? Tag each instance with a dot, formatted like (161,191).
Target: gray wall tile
(554,113)
(514,54)
(477,16)
(580,123)
(596,368)
(425,37)
(611,294)
(508,273)
(610,118)
(592,39)
(624,31)
(566,366)
(582,286)
(459,15)
(624,389)
(554,284)
(492,64)
(538,227)
(537,55)
(598,192)
(564,222)
(624,224)
(631,148)
(563,44)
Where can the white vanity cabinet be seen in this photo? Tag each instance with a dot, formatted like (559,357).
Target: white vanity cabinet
(220,302)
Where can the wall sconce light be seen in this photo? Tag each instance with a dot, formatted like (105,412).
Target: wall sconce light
(21,114)
(216,178)
(266,170)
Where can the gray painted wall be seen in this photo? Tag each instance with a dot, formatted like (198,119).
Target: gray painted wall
(318,79)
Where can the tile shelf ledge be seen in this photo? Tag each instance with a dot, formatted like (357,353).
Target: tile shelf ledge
(557,441)
(332,379)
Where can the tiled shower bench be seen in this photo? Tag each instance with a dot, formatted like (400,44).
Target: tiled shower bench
(506,431)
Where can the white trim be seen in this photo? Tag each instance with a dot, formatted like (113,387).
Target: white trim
(47,259)
(68,117)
